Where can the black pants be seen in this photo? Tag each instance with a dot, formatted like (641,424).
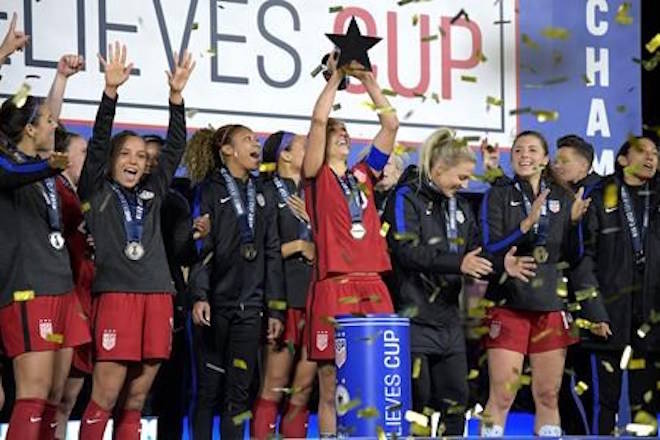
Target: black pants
(640,381)
(442,385)
(576,411)
(227,356)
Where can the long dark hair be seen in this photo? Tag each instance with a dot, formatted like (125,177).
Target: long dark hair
(547,173)
(631,142)
(63,138)
(116,143)
(14,119)
(203,152)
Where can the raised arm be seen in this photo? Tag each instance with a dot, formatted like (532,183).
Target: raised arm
(175,144)
(315,152)
(67,66)
(14,40)
(98,150)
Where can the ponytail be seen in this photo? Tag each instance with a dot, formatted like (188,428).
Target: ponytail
(203,154)
(442,145)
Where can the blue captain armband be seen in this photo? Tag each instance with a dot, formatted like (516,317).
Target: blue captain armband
(377,159)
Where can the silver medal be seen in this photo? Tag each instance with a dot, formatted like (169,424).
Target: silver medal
(134,250)
(56,240)
(357,231)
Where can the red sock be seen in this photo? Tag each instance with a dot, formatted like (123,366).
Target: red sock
(92,424)
(26,419)
(48,423)
(264,416)
(294,421)
(127,425)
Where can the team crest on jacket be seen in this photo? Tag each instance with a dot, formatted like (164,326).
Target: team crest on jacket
(145,194)
(261,200)
(322,340)
(45,328)
(554,206)
(460,217)
(495,329)
(340,352)
(109,339)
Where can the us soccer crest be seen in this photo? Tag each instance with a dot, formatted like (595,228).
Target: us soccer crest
(554,206)
(109,339)
(45,328)
(322,340)
(340,352)
(495,329)
(460,217)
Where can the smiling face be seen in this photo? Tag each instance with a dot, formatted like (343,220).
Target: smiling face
(391,174)
(41,131)
(528,157)
(243,149)
(641,159)
(451,179)
(338,142)
(295,154)
(130,162)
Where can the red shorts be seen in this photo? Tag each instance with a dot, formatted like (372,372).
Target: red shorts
(45,323)
(294,328)
(527,332)
(132,326)
(344,295)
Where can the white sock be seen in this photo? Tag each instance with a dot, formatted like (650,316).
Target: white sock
(550,431)
(492,431)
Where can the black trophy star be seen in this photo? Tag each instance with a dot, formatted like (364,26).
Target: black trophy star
(353,46)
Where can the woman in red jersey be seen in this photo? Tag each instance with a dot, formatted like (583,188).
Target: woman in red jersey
(351,253)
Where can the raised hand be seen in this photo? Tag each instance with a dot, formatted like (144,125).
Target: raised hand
(475,266)
(116,70)
(14,40)
(580,206)
(358,71)
(535,214)
(178,79)
(490,155)
(70,65)
(521,268)
(58,161)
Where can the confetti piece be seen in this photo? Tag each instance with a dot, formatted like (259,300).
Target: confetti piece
(469,78)
(404,2)
(330,320)
(428,38)
(583,323)
(334,9)
(493,101)
(388,92)
(557,80)
(586,79)
(482,58)
(476,312)
(527,41)
(562,287)
(555,33)
(539,336)
(574,307)
(380,433)
(519,111)
(384,229)
(608,367)
(472,374)
(56,338)
(369,412)
(502,22)
(242,417)
(407,236)
(585,294)
(336,107)
(318,69)
(557,57)
(32,76)
(268,167)
(643,330)
(23,295)
(435,97)
(195,26)
(408,114)
(349,300)
(415,417)
(21,96)
(417,367)
(625,357)
(562,265)
(546,115)
(276,305)
(637,364)
(240,363)
(653,44)
(415,19)
(580,388)
(191,112)
(648,396)
(622,16)
(380,110)
(410,312)
(621,108)
(460,14)
(343,408)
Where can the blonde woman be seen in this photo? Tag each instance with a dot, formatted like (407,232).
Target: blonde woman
(434,243)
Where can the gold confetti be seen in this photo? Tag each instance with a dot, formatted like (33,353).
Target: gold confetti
(472,374)
(469,78)
(428,38)
(481,57)
(653,43)
(407,236)
(348,406)
(21,96)
(57,338)
(476,312)
(330,320)
(349,300)
(410,312)
(384,229)
(608,367)
(417,368)
(643,330)
(585,294)
(562,265)
(648,396)
(369,412)
(625,357)
(85,206)
(23,295)
(380,433)
(621,108)
(586,79)
(527,41)
(268,167)
(546,115)
(637,364)
(555,33)
(415,417)
(242,417)
(519,111)
(415,19)
(240,363)
(544,334)
(580,388)
(388,92)
(557,80)
(574,307)
(195,26)
(318,69)
(494,101)
(583,323)
(622,16)
(276,305)
(191,112)
(336,107)
(435,97)
(380,110)
(334,9)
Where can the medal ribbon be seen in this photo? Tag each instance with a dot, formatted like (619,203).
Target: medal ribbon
(50,195)
(133,222)
(303,227)
(245,217)
(541,227)
(636,236)
(452,228)
(352,195)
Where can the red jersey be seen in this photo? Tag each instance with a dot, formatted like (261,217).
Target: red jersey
(338,252)
(75,234)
